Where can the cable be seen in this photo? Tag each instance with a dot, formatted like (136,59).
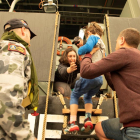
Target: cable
(8,3)
(105,3)
(41,3)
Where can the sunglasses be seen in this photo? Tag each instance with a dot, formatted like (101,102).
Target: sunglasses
(76,42)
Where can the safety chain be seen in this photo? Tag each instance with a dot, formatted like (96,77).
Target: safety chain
(49,79)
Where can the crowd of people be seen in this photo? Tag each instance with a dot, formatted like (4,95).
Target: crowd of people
(120,68)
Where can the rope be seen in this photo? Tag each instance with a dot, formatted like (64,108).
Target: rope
(49,79)
(99,104)
(97,119)
(115,101)
(109,42)
(100,101)
(64,104)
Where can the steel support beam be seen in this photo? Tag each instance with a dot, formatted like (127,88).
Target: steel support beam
(67,5)
(86,6)
(72,12)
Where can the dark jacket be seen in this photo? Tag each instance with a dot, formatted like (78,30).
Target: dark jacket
(61,74)
(122,71)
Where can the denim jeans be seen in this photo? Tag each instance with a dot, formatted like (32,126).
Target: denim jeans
(131,133)
(111,128)
(88,87)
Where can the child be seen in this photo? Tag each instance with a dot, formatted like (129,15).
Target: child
(88,87)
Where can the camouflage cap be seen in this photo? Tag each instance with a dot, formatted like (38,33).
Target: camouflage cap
(18,23)
(76,39)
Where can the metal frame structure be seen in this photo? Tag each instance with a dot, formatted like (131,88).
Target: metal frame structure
(77,12)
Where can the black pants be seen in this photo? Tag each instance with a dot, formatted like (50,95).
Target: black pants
(63,88)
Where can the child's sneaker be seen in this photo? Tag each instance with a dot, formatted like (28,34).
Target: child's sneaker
(88,126)
(71,128)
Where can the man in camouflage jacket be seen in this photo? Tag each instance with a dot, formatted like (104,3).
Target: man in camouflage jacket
(15,72)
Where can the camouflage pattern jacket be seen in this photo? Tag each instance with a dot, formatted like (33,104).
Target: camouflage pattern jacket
(15,72)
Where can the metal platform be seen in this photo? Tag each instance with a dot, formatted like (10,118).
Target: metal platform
(78,137)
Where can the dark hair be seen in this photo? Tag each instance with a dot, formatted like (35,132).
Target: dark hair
(132,36)
(64,60)
(94,28)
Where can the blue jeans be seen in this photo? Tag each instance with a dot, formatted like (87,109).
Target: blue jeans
(131,133)
(111,128)
(88,87)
